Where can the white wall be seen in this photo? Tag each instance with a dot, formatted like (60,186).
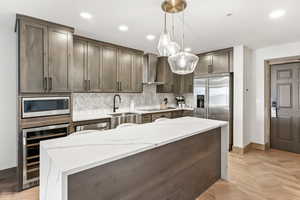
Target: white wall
(249,112)
(238,98)
(260,55)
(242,112)
(8,77)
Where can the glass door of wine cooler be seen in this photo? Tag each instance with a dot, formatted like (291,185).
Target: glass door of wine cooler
(31,150)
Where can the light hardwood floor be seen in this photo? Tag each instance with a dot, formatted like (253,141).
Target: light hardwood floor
(257,175)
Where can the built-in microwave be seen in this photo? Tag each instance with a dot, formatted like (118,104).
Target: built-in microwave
(45,106)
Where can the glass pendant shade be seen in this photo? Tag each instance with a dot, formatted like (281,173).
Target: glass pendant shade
(183,63)
(163,44)
(173,48)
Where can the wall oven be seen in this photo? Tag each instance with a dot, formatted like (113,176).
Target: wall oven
(31,150)
(45,106)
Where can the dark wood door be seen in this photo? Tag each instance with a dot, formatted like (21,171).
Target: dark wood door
(125,63)
(137,73)
(109,69)
(60,58)
(94,66)
(285,112)
(78,70)
(220,62)
(33,57)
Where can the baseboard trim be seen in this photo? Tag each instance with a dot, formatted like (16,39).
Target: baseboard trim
(240,150)
(256,146)
(262,147)
(8,172)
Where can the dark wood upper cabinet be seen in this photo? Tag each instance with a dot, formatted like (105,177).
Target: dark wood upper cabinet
(165,75)
(94,69)
(130,69)
(137,73)
(109,69)
(125,62)
(220,62)
(78,75)
(45,55)
(60,59)
(52,61)
(215,62)
(102,67)
(204,65)
(33,57)
(188,83)
(183,83)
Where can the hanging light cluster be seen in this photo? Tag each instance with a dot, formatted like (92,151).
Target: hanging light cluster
(180,62)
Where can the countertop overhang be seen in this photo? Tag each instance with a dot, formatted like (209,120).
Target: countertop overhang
(77,153)
(92,115)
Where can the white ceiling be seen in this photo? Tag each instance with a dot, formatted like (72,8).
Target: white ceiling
(207,26)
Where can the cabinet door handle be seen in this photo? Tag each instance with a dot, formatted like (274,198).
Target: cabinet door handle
(45,83)
(50,83)
(120,86)
(89,84)
(85,85)
(210,68)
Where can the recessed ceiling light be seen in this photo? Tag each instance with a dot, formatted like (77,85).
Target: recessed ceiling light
(188,49)
(277,14)
(123,28)
(150,37)
(86,15)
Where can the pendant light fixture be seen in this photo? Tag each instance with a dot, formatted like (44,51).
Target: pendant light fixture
(164,40)
(173,47)
(180,61)
(183,62)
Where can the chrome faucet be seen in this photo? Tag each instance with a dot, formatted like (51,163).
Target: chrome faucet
(119,97)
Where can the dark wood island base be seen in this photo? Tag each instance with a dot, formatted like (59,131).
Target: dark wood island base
(180,170)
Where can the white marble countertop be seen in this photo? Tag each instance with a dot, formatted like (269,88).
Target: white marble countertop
(77,153)
(97,114)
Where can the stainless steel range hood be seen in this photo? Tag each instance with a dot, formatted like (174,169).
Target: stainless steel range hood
(150,69)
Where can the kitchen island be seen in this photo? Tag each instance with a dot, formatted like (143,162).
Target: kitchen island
(172,159)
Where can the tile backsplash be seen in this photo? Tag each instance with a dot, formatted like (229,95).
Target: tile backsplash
(103,102)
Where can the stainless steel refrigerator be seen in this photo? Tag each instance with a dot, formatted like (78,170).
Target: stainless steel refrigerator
(213,97)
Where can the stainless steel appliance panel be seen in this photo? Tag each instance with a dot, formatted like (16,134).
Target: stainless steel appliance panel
(213,98)
(45,106)
(219,98)
(200,95)
(101,126)
(31,150)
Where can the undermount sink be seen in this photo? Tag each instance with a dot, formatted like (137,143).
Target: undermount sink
(125,117)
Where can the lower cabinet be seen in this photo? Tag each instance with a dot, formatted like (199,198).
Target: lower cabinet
(177,114)
(188,113)
(148,118)
(161,115)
